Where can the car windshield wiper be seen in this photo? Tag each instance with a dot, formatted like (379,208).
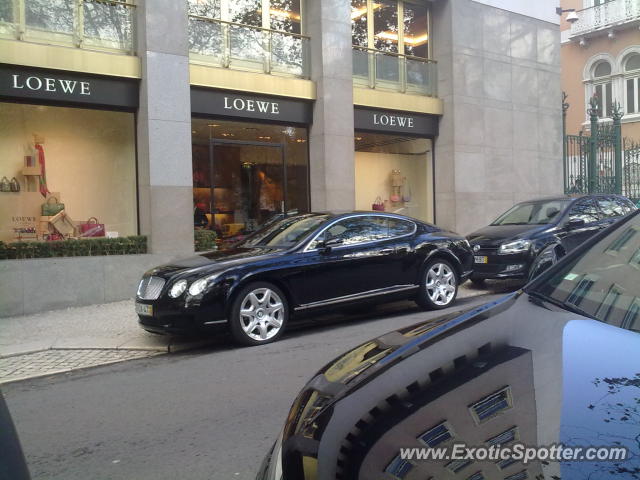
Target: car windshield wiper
(558,303)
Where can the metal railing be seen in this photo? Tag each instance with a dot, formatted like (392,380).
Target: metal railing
(394,71)
(95,24)
(244,47)
(605,15)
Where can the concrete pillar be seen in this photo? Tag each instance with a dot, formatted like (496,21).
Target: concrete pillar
(501,134)
(331,148)
(165,180)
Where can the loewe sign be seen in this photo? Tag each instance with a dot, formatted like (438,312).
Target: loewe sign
(218,103)
(384,120)
(416,124)
(48,84)
(68,87)
(251,105)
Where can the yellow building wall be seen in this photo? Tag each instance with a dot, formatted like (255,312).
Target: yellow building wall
(574,58)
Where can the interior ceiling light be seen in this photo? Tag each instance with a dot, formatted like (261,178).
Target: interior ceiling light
(276,12)
(408,39)
(359,12)
(213,125)
(300,140)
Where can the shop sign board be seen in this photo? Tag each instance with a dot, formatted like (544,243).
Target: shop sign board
(389,121)
(210,102)
(67,87)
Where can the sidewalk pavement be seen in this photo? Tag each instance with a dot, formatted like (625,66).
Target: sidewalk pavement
(64,340)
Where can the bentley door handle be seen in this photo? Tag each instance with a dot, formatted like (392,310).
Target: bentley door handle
(387,251)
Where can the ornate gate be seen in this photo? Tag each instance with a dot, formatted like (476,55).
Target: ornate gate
(601,162)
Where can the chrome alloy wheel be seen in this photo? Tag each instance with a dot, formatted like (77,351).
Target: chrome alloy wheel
(441,284)
(261,314)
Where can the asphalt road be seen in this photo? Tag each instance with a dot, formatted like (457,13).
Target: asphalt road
(209,414)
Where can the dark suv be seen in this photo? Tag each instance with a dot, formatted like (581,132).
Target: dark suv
(531,236)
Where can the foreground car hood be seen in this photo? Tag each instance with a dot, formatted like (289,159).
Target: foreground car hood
(353,418)
(494,235)
(216,260)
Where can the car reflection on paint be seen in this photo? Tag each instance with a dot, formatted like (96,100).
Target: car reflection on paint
(555,363)
(304,263)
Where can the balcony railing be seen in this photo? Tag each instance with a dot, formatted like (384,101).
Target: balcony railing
(95,24)
(243,47)
(395,72)
(606,15)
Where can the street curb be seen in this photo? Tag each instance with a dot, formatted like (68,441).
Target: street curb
(67,370)
(169,348)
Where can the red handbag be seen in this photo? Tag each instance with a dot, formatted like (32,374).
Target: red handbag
(91,228)
(378,205)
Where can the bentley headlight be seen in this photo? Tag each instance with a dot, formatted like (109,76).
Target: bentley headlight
(518,246)
(178,288)
(198,287)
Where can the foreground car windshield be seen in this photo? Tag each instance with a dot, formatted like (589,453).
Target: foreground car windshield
(604,282)
(532,213)
(286,232)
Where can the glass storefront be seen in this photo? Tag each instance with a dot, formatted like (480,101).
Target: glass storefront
(395,173)
(81,162)
(245,173)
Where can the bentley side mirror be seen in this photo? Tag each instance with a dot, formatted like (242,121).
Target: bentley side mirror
(327,245)
(574,223)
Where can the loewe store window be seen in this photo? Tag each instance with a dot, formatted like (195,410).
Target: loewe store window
(394,162)
(247,168)
(68,164)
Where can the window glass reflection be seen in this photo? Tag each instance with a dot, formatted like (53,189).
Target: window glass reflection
(284,16)
(359,17)
(247,12)
(385,24)
(205,8)
(415,30)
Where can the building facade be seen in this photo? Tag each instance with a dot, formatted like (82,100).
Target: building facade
(601,56)
(159,117)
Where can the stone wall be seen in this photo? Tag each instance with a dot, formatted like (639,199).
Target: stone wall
(501,134)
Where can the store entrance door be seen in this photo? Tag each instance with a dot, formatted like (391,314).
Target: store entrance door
(248,184)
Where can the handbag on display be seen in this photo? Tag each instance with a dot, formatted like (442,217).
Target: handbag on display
(406,195)
(378,205)
(92,228)
(50,209)
(14,184)
(5,185)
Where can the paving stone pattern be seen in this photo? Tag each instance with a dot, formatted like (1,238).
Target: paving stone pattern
(47,362)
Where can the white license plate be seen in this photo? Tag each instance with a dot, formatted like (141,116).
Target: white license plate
(144,309)
(480,259)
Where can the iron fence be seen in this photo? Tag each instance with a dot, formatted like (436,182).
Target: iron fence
(602,161)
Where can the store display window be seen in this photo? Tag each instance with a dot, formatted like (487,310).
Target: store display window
(66,173)
(394,173)
(245,174)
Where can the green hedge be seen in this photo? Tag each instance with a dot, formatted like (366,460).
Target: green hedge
(74,248)
(205,240)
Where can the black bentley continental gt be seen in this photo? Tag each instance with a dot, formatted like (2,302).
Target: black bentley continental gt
(307,262)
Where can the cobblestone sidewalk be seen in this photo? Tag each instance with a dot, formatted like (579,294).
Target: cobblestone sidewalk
(47,362)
